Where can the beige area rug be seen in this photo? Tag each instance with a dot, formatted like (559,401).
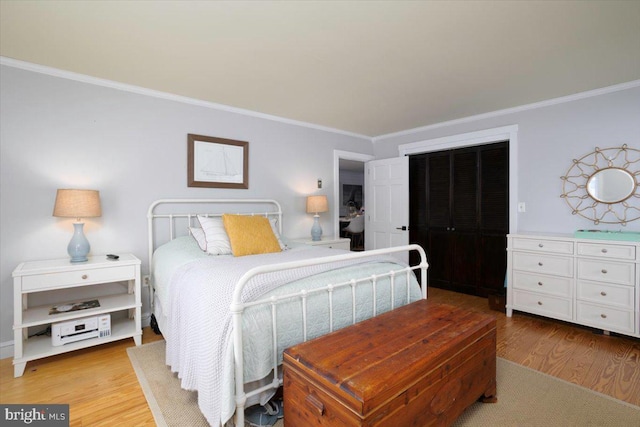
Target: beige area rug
(525,398)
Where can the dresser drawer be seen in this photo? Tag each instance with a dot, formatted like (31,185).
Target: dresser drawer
(541,245)
(606,271)
(545,305)
(607,318)
(550,285)
(546,264)
(78,278)
(605,294)
(622,252)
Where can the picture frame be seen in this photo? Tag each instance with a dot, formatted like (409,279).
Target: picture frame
(353,193)
(217,162)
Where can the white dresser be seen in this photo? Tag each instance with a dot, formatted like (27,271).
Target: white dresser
(588,282)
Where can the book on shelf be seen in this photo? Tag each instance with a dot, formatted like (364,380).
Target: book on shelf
(74,306)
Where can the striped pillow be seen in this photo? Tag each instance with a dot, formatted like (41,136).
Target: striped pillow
(215,235)
(198,234)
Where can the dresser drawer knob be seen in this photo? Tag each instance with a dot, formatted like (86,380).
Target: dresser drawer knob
(539,283)
(315,404)
(85,277)
(604,271)
(604,316)
(540,245)
(540,264)
(603,293)
(604,251)
(539,302)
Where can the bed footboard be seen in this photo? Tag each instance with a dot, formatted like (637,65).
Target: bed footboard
(238,307)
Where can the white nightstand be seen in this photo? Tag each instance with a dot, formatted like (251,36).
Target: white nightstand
(52,275)
(329,242)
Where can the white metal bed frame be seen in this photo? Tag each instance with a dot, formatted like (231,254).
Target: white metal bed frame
(238,306)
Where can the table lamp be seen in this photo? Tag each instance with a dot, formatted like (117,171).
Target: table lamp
(317,204)
(77,204)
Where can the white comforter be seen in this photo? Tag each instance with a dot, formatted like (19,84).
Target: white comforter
(198,327)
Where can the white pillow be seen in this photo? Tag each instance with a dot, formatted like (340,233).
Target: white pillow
(274,227)
(198,235)
(215,235)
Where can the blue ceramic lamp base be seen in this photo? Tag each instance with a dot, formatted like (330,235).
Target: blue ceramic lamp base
(78,247)
(316,230)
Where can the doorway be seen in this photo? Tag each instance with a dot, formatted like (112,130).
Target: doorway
(348,179)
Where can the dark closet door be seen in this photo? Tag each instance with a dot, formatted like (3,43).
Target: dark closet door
(493,221)
(459,214)
(438,219)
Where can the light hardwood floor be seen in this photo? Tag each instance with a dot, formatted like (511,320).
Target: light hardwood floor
(102,389)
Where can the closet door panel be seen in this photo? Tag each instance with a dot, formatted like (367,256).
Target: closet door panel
(465,254)
(438,191)
(417,193)
(418,214)
(494,188)
(492,263)
(494,217)
(464,192)
(439,249)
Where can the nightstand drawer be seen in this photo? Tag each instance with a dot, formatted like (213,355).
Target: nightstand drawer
(604,271)
(622,252)
(78,278)
(559,286)
(539,245)
(345,245)
(605,294)
(539,263)
(328,242)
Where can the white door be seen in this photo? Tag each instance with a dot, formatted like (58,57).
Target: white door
(386,184)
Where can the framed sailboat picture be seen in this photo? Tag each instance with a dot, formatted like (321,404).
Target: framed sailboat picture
(217,162)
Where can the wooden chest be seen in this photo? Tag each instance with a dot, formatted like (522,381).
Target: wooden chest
(418,365)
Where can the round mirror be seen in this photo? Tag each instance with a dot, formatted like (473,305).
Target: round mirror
(611,185)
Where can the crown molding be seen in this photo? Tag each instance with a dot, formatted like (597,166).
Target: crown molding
(526,107)
(55,72)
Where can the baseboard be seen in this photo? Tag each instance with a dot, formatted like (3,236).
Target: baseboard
(6,348)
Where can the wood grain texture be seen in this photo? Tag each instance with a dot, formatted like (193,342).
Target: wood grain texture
(421,364)
(102,388)
(98,383)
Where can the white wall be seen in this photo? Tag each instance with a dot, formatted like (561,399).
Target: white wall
(61,133)
(549,138)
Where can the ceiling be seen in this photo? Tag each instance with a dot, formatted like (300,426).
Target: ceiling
(363,67)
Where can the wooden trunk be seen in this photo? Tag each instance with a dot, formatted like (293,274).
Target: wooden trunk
(418,365)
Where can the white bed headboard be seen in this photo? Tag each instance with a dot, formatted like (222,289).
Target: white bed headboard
(180,214)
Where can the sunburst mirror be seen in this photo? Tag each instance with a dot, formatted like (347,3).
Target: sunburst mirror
(603,186)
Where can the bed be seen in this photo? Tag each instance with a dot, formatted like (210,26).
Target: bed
(226,319)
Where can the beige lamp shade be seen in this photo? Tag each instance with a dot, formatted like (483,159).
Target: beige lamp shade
(317,204)
(77,204)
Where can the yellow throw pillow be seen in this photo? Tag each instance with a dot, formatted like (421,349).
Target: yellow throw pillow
(250,235)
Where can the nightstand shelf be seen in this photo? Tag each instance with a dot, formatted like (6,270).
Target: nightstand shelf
(36,316)
(55,275)
(39,347)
